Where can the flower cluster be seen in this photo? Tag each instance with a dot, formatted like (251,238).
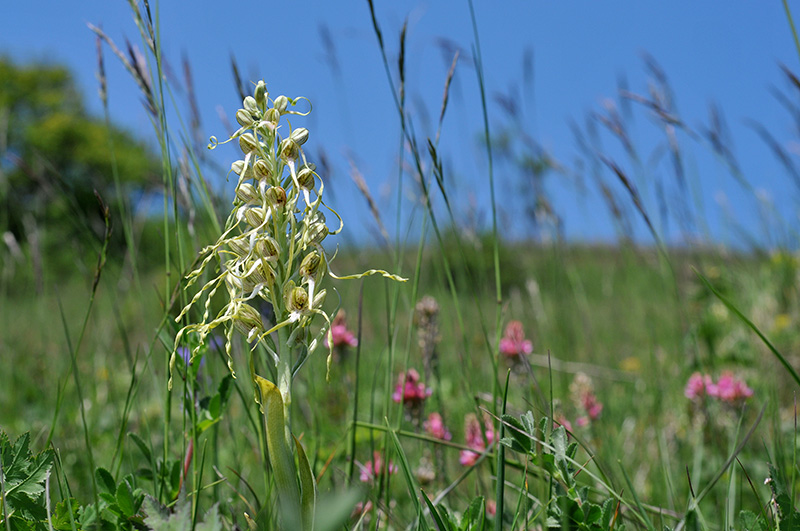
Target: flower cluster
(372,470)
(271,248)
(435,427)
(582,391)
(727,389)
(477,438)
(513,345)
(409,390)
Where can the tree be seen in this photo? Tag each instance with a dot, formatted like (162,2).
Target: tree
(54,155)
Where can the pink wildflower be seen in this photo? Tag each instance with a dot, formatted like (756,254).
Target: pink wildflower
(491,507)
(697,386)
(409,390)
(729,389)
(374,469)
(435,427)
(475,439)
(583,395)
(341,336)
(591,405)
(513,343)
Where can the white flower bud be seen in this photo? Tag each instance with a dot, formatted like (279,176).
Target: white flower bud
(272,116)
(261,168)
(297,300)
(254,216)
(244,118)
(247,193)
(305,178)
(239,246)
(267,249)
(237,167)
(276,196)
(299,136)
(248,142)
(310,265)
(248,321)
(280,104)
(261,94)
(250,105)
(289,150)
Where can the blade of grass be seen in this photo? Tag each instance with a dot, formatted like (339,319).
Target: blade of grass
(501,462)
(413,488)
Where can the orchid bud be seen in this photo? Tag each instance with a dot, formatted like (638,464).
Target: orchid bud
(272,116)
(244,118)
(276,196)
(267,249)
(248,321)
(317,229)
(310,265)
(248,143)
(250,105)
(297,300)
(261,94)
(237,167)
(239,246)
(305,178)
(261,168)
(254,216)
(280,104)
(247,193)
(299,135)
(261,274)
(289,150)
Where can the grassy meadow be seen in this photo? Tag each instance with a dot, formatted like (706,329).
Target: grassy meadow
(502,385)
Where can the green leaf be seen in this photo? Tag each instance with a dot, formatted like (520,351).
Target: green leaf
(475,515)
(144,448)
(308,487)
(125,499)
(225,389)
(105,480)
(280,456)
(749,521)
(215,406)
(437,518)
(62,517)
(517,430)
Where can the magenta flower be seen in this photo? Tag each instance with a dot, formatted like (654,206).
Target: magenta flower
(592,406)
(696,386)
(729,389)
(341,336)
(409,390)
(374,469)
(475,439)
(513,343)
(435,427)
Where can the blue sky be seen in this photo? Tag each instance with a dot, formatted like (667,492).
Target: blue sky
(723,53)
